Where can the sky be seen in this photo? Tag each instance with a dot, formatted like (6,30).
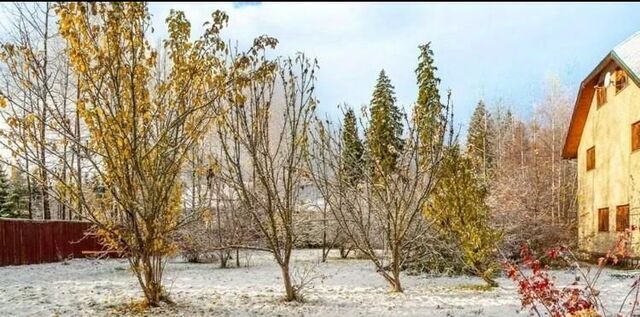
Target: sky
(500,52)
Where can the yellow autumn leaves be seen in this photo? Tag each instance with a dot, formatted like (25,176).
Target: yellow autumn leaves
(143,117)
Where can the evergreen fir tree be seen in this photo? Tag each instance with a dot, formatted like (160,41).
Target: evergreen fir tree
(352,151)
(428,108)
(6,208)
(385,129)
(18,196)
(461,214)
(480,141)
(13,201)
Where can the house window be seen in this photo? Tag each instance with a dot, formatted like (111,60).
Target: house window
(635,136)
(603,220)
(591,158)
(601,95)
(622,218)
(620,79)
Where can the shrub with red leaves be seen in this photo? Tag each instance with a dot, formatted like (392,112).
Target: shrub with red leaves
(540,294)
(539,289)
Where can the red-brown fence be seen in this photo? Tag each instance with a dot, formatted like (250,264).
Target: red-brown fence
(31,241)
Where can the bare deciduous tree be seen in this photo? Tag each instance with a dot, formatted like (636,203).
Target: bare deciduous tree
(38,81)
(533,187)
(384,210)
(264,137)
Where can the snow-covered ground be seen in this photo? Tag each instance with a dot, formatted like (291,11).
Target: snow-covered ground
(83,287)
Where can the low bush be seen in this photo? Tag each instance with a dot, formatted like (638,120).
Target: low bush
(540,294)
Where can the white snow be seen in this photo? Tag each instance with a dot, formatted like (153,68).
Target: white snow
(84,287)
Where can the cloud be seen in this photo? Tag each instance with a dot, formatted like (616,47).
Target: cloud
(491,51)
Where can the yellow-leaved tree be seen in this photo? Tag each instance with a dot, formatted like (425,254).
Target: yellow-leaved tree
(143,117)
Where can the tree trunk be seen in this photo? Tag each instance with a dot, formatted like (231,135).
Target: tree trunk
(62,205)
(77,153)
(153,292)
(152,286)
(393,279)
(149,278)
(325,252)
(485,274)
(288,285)
(396,285)
(344,252)
(44,189)
(224,256)
(29,190)
(193,181)
(491,282)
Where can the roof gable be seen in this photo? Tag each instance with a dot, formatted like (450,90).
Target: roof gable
(627,56)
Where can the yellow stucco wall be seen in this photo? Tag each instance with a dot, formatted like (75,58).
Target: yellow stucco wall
(617,171)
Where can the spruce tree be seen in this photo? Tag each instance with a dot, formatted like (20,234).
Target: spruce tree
(13,204)
(6,208)
(18,198)
(461,214)
(352,150)
(480,141)
(385,129)
(428,108)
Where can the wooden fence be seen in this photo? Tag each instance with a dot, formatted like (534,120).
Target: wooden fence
(32,241)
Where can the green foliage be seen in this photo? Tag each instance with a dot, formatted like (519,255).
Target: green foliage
(12,196)
(460,213)
(480,142)
(352,151)
(428,94)
(428,108)
(5,206)
(385,129)
(19,196)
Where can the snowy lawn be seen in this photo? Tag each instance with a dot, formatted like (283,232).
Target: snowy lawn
(84,287)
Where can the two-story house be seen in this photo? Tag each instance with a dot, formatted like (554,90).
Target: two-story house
(604,136)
